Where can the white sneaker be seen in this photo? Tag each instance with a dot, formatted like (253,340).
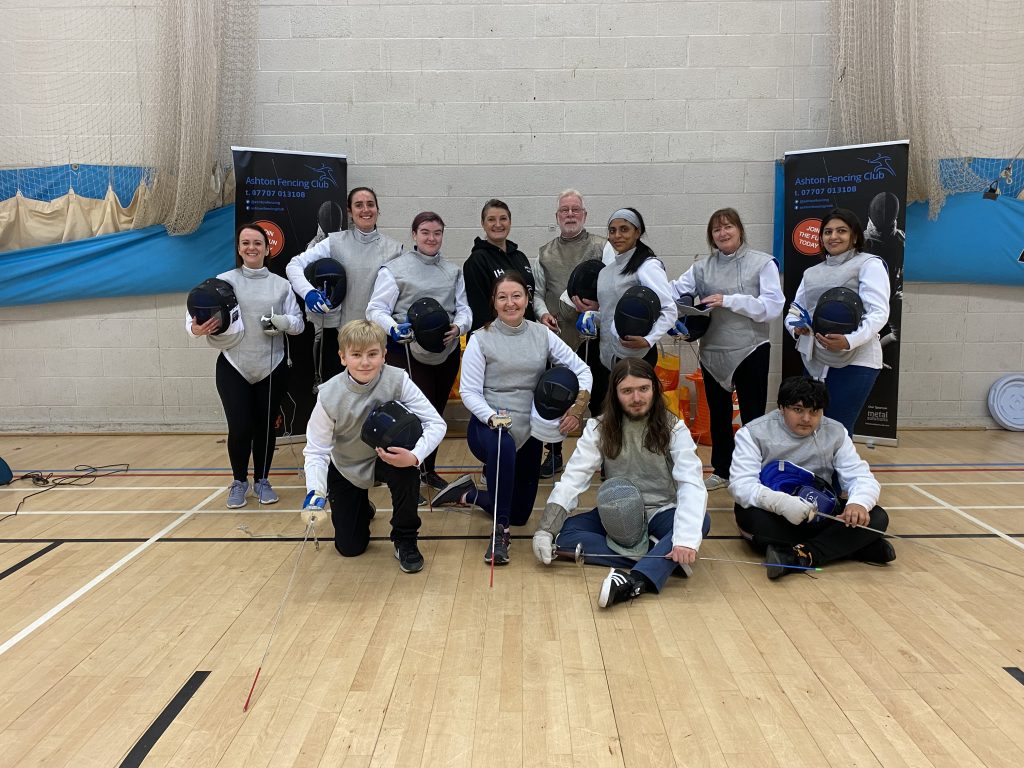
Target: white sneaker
(714,482)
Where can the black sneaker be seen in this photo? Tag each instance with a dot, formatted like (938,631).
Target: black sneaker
(454,491)
(552,463)
(619,586)
(779,558)
(408,556)
(501,541)
(434,480)
(877,552)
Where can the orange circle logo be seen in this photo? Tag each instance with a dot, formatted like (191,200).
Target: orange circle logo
(276,236)
(806,237)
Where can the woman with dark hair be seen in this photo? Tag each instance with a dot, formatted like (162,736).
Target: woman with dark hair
(628,262)
(741,287)
(646,451)
(849,361)
(504,360)
(361,251)
(492,256)
(422,273)
(252,374)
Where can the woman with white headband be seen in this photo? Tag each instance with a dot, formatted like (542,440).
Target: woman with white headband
(628,263)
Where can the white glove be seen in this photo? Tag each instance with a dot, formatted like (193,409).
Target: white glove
(544,546)
(793,508)
(313,512)
(274,325)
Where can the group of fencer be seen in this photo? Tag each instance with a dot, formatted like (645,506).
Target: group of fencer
(551,338)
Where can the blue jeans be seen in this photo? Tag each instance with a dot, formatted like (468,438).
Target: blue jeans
(520,473)
(586,529)
(848,390)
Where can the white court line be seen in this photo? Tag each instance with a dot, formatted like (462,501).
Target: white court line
(102,577)
(972,518)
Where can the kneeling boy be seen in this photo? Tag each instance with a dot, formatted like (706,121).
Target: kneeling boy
(342,468)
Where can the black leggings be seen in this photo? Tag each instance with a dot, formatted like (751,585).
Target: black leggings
(434,381)
(751,382)
(826,540)
(246,407)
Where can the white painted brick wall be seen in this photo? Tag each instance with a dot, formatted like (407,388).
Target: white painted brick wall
(675,107)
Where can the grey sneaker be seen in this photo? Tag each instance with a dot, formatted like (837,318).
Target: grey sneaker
(714,482)
(262,491)
(454,491)
(501,541)
(236,494)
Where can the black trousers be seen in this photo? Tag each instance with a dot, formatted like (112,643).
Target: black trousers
(826,540)
(751,382)
(602,375)
(325,355)
(434,381)
(350,506)
(246,407)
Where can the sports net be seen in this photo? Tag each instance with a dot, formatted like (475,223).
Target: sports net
(131,105)
(946,74)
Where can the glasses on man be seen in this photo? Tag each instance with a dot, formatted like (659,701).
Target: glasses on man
(575,210)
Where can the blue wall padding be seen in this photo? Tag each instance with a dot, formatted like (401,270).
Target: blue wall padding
(974,240)
(140,262)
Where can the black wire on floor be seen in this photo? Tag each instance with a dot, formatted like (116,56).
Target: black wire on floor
(88,474)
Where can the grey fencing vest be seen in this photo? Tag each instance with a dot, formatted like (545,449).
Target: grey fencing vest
(558,258)
(515,360)
(418,276)
(611,284)
(362,255)
(348,403)
(731,336)
(815,452)
(835,272)
(258,291)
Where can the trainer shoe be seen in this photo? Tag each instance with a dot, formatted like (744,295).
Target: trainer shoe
(262,491)
(780,557)
(434,480)
(877,552)
(714,482)
(237,492)
(619,586)
(454,492)
(501,542)
(408,556)
(551,464)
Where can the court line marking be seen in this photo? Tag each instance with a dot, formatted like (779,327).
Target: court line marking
(30,559)
(163,721)
(73,597)
(972,518)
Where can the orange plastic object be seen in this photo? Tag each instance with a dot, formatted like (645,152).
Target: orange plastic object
(700,430)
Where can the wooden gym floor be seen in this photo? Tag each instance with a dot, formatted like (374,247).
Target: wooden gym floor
(134,613)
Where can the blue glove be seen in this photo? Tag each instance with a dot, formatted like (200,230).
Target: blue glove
(402,333)
(798,317)
(317,302)
(313,512)
(679,329)
(586,324)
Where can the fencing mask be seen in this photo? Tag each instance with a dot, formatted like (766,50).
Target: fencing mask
(839,310)
(696,318)
(391,425)
(430,322)
(637,311)
(620,505)
(215,298)
(583,279)
(787,477)
(328,277)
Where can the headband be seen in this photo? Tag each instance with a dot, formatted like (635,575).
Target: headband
(627,215)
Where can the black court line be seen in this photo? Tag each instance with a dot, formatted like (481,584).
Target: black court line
(18,566)
(474,537)
(149,739)
(1016,674)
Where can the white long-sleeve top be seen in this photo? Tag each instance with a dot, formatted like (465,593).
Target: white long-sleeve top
(854,473)
(474,364)
(385,297)
(761,309)
(687,472)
